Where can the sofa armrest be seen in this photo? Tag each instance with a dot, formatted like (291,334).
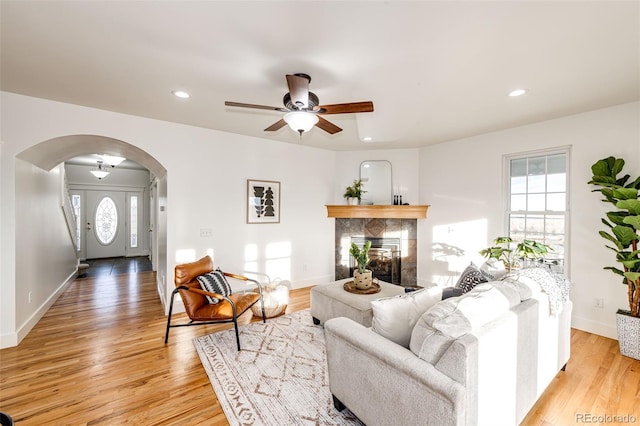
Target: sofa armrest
(384,383)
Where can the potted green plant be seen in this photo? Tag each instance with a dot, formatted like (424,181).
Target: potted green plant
(353,193)
(623,234)
(511,256)
(362,277)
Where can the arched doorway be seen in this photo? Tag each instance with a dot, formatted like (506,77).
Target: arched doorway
(49,154)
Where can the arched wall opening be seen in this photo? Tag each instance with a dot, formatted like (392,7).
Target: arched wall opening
(38,195)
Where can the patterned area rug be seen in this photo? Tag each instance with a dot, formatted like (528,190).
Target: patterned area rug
(280,376)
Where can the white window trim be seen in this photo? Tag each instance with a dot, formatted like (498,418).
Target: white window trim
(506,172)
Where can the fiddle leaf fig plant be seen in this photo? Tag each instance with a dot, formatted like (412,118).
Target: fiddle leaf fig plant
(510,255)
(623,223)
(361,256)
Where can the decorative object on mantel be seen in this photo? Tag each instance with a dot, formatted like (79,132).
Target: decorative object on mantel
(511,257)
(378,212)
(397,196)
(362,277)
(263,201)
(353,193)
(624,223)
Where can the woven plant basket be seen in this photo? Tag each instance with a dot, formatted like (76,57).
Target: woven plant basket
(276,297)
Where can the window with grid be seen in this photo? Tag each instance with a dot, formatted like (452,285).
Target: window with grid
(537,202)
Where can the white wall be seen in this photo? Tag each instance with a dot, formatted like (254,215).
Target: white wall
(462,180)
(47,259)
(205,189)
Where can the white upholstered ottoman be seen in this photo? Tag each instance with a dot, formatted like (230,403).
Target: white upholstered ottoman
(332,300)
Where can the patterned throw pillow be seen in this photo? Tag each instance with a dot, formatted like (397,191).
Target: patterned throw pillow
(471,277)
(215,282)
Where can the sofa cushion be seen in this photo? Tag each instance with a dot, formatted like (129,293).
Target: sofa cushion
(449,319)
(471,277)
(394,317)
(215,282)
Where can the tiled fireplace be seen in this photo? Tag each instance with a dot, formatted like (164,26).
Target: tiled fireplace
(393,250)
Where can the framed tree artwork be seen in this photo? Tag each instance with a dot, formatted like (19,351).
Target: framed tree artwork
(263,201)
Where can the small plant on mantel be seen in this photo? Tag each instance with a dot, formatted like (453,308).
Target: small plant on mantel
(354,191)
(511,257)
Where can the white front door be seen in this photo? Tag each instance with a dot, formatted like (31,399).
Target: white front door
(106,229)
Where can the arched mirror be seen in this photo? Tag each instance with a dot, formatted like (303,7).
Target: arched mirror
(376,180)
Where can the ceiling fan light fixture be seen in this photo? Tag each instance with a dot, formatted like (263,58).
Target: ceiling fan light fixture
(300,121)
(99,172)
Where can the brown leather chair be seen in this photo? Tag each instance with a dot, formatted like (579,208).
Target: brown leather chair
(198,308)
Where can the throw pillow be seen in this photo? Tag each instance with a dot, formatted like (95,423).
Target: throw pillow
(394,317)
(471,277)
(215,282)
(451,292)
(494,268)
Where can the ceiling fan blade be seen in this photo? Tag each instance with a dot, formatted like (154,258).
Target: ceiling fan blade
(346,108)
(327,126)
(299,89)
(276,126)
(241,105)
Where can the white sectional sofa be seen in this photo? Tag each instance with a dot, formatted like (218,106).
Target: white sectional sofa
(483,358)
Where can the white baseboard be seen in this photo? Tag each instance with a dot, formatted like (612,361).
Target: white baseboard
(594,327)
(312,281)
(8,340)
(31,322)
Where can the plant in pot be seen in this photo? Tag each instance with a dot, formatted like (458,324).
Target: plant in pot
(362,277)
(511,256)
(353,193)
(623,235)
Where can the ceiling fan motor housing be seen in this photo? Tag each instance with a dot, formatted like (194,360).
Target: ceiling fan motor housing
(312,102)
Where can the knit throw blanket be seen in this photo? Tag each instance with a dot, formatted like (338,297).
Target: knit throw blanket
(556,286)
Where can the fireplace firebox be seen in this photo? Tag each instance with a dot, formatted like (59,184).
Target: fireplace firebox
(384,258)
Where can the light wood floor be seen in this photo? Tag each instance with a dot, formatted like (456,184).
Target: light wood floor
(98,358)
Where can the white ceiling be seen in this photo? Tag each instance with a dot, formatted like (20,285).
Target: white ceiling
(435,71)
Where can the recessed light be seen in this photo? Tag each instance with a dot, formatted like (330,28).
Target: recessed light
(181,94)
(367,139)
(517,92)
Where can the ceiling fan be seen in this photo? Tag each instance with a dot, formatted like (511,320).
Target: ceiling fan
(303,109)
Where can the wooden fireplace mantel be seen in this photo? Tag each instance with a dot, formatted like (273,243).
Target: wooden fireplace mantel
(377,212)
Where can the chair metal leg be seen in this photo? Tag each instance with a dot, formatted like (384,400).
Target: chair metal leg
(235,325)
(166,336)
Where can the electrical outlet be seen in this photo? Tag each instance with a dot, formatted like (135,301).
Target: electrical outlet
(206,233)
(29,297)
(598,303)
